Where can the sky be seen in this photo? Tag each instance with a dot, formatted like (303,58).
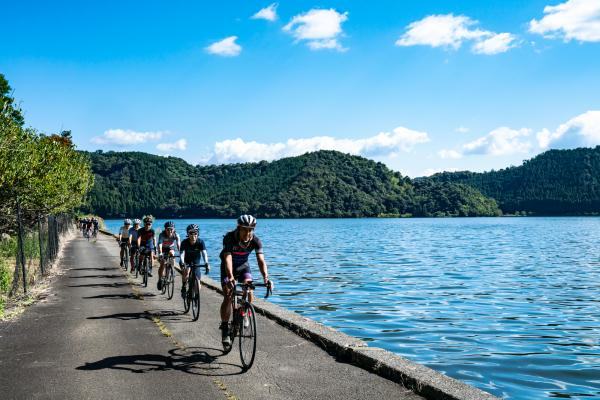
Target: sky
(423,86)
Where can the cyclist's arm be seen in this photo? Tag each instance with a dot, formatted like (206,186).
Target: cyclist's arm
(228,265)
(262,265)
(160,243)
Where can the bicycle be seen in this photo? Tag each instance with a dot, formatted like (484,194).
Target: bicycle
(125,255)
(192,295)
(145,265)
(243,323)
(136,261)
(168,280)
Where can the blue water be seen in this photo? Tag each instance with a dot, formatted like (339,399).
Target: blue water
(510,305)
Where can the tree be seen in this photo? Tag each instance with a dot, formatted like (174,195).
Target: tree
(7,103)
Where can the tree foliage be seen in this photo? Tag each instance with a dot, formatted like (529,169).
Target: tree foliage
(319,184)
(45,173)
(557,182)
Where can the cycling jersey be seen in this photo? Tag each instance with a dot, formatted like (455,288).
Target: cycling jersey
(147,237)
(239,253)
(134,236)
(193,252)
(168,242)
(124,232)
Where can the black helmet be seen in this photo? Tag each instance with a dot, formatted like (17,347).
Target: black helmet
(169,224)
(192,228)
(246,221)
(148,218)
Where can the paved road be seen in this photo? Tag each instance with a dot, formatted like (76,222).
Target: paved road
(94,337)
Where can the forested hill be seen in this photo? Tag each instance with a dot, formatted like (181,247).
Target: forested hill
(319,184)
(557,182)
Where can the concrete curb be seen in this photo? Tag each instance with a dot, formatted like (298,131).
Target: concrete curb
(416,377)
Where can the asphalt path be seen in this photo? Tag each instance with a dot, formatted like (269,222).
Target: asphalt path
(99,334)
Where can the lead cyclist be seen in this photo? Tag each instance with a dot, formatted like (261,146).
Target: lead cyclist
(237,246)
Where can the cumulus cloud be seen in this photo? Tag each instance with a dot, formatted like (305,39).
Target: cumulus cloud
(449,154)
(268,13)
(126,137)
(320,29)
(496,44)
(572,20)
(581,131)
(450,32)
(500,142)
(180,144)
(226,47)
(383,144)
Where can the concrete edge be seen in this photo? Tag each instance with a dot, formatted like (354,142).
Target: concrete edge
(416,377)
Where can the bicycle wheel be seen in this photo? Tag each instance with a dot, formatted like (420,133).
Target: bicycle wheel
(126,260)
(145,271)
(136,264)
(196,300)
(170,283)
(186,299)
(247,335)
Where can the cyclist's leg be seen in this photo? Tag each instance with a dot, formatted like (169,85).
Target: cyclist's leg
(185,271)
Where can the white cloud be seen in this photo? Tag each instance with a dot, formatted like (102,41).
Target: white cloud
(180,144)
(581,131)
(269,13)
(453,154)
(383,144)
(574,19)
(126,137)
(321,29)
(431,171)
(500,142)
(450,31)
(226,47)
(462,129)
(499,43)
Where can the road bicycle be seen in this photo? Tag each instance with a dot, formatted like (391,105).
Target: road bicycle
(242,322)
(125,255)
(168,279)
(192,293)
(136,261)
(145,265)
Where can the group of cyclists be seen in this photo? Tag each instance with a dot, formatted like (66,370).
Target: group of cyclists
(237,247)
(89,227)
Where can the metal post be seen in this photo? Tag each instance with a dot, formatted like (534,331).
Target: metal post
(21,246)
(41,245)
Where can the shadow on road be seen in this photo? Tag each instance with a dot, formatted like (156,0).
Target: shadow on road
(138,315)
(192,360)
(118,296)
(106,285)
(96,276)
(95,269)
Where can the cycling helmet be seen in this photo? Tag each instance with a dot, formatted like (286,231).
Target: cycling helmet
(127,221)
(148,218)
(169,224)
(192,228)
(246,221)
(137,221)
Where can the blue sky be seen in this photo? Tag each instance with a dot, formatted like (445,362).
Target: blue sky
(420,85)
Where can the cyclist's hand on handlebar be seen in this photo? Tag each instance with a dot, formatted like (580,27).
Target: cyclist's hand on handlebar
(270,284)
(206,268)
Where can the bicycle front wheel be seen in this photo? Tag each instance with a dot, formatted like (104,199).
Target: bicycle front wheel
(247,335)
(145,272)
(170,283)
(196,300)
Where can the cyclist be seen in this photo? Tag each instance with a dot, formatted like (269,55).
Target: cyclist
(133,243)
(147,240)
(168,240)
(191,250)
(95,224)
(88,227)
(123,238)
(237,246)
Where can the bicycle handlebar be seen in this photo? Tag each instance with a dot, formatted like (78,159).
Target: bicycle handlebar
(252,285)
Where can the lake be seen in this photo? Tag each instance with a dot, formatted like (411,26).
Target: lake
(509,305)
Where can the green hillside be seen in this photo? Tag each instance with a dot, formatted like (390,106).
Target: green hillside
(319,184)
(557,182)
